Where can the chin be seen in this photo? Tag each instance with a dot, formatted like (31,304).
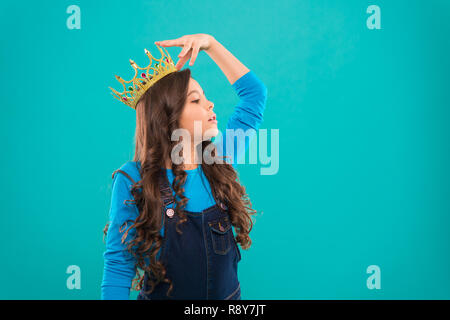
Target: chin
(211,132)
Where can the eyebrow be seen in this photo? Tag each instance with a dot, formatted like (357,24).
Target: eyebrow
(195,91)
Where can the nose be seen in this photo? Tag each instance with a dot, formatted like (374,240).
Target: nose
(211,106)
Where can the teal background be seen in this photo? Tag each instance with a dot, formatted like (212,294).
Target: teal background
(364,140)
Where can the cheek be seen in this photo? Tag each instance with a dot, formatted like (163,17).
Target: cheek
(189,117)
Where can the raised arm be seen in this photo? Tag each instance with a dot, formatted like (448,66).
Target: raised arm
(252,92)
(232,68)
(245,119)
(248,114)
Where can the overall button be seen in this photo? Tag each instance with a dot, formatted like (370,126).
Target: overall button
(223,206)
(170,212)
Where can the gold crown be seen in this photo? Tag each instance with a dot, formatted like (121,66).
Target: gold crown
(130,96)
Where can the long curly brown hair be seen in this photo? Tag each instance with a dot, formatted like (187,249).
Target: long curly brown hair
(157,115)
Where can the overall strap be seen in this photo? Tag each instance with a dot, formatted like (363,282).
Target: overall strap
(164,185)
(165,189)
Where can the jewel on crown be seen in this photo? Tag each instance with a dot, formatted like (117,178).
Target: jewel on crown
(143,79)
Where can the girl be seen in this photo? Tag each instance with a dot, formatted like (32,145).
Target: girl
(174,220)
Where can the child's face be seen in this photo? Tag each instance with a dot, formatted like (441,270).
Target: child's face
(198,110)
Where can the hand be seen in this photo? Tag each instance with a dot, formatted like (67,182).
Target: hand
(191,45)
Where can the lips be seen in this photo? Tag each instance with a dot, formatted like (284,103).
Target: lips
(213,118)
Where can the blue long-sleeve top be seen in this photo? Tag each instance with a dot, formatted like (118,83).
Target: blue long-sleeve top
(118,262)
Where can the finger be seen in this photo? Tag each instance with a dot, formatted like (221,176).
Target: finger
(181,62)
(185,50)
(179,65)
(169,43)
(194,54)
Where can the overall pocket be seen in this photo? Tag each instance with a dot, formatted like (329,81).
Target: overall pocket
(221,235)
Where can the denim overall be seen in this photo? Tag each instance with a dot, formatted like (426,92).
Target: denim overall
(202,261)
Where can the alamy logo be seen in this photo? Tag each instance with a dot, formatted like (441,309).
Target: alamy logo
(374,21)
(236,140)
(74,280)
(374,281)
(74,20)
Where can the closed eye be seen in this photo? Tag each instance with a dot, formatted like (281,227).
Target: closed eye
(196,101)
